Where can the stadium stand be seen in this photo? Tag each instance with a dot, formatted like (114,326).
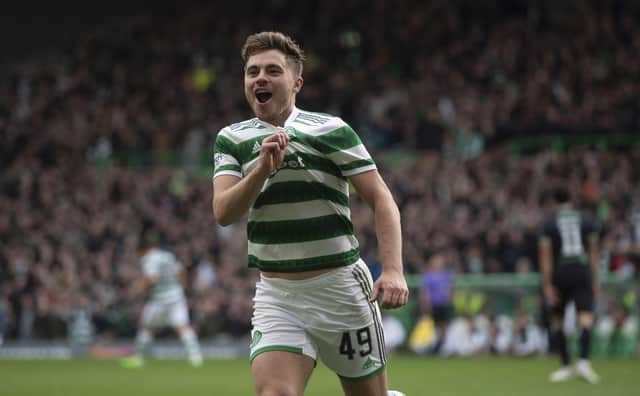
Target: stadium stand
(474,112)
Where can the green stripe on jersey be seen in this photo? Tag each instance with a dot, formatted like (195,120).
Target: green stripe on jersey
(291,231)
(356,164)
(299,191)
(248,150)
(224,145)
(307,264)
(339,139)
(311,162)
(318,163)
(568,214)
(234,168)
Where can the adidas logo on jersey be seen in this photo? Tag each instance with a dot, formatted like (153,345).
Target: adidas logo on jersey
(256,147)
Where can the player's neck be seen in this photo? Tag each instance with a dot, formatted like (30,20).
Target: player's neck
(280,119)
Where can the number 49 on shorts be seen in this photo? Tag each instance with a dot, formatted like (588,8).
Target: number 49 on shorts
(362,338)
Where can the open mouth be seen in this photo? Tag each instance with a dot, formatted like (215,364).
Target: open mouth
(263,97)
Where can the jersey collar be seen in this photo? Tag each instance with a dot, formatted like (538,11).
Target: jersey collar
(294,114)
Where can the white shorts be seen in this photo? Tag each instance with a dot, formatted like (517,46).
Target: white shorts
(329,316)
(160,314)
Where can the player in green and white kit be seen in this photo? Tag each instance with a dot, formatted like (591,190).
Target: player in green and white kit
(290,170)
(166,305)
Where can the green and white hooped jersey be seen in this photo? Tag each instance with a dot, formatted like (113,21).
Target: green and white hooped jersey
(301,219)
(166,268)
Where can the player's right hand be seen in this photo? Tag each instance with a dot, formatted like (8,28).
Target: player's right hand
(392,286)
(272,152)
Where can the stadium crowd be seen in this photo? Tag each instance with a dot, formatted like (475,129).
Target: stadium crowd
(450,79)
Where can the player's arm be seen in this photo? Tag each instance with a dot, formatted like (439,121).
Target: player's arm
(182,278)
(391,282)
(143,287)
(593,263)
(232,196)
(545,254)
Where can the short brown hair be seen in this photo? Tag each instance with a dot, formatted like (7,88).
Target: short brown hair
(265,41)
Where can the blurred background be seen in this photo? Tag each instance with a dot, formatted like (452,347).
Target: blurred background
(473,110)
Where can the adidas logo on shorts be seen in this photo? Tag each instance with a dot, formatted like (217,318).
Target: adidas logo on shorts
(257,336)
(368,364)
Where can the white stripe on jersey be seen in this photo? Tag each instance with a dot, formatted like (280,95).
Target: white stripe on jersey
(342,157)
(298,210)
(317,176)
(302,250)
(331,125)
(247,134)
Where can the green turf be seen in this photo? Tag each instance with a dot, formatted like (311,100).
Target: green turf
(414,376)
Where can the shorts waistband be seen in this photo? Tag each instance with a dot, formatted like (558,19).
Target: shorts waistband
(322,280)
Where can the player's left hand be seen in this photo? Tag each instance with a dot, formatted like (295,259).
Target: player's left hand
(392,286)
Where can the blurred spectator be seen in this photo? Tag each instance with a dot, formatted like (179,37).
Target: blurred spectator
(395,334)
(617,332)
(467,336)
(528,338)
(436,296)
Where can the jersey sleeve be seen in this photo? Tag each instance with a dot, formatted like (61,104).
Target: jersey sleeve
(225,160)
(344,147)
(177,264)
(150,266)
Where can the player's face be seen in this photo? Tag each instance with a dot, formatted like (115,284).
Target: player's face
(270,86)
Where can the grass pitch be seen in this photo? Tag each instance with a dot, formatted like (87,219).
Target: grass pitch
(413,375)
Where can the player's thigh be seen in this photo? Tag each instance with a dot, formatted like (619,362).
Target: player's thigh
(583,295)
(281,373)
(178,314)
(152,314)
(372,386)
(585,302)
(355,354)
(564,289)
(558,309)
(350,337)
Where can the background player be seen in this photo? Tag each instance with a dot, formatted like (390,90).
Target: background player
(166,305)
(569,273)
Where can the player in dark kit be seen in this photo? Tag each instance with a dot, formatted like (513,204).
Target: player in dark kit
(568,248)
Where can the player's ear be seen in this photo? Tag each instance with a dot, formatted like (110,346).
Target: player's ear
(297,84)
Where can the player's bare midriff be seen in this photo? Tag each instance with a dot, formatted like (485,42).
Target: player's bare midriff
(296,275)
